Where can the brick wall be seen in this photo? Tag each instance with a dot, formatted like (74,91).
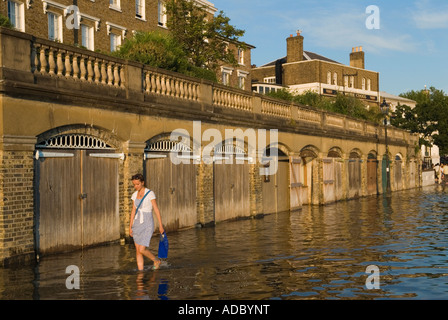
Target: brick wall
(36,24)
(16,205)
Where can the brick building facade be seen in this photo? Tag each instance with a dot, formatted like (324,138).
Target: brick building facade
(302,70)
(104,25)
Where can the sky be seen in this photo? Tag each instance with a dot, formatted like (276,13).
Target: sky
(406,41)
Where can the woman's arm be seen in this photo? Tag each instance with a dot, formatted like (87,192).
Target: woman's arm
(157,212)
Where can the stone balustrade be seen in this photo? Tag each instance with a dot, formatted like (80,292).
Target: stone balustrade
(44,58)
(57,60)
(157,82)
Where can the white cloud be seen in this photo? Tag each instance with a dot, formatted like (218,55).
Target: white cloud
(345,28)
(426,17)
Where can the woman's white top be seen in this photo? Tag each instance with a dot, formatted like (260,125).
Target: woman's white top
(146,206)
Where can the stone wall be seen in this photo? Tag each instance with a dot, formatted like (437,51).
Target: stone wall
(47,88)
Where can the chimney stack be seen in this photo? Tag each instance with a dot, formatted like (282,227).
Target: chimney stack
(294,48)
(357,58)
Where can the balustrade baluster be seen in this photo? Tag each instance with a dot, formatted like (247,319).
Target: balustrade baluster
(153,83)
(68,66)
(51,62)
(43,60)
(147,82)
(158,85)
(163,85)
(110,75)
(75,67)
(169,86)
(122,76)
(96,70)
(82,67)
(116,75)
(60,65)
(103,72)
(89,70)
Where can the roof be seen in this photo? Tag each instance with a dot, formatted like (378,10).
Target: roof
(307,56)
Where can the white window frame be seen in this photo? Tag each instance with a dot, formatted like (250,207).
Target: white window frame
(329,77)
(241,55)
(161,14)
(58,27)
(19,15)
(363,85)
(335,79)
(140,9)
(226,72)
(115,5)
(269,80)
(369,85)
(89,43)
(115,41)
(242,77)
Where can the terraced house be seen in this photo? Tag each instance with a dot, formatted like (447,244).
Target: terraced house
(302,70)
(104,25)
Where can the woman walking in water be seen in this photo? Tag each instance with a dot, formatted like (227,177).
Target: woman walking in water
(141,225)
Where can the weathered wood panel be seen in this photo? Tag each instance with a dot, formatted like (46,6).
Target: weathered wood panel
(100,205)
(398,175)
(77,201)
(339,184)
(231,191)
(354,178)
(175,189)
(296,184)
(58,216)
(412,173)
(329,181)
(276,190)
(372,176)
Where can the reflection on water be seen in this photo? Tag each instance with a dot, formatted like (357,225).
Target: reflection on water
(317,253)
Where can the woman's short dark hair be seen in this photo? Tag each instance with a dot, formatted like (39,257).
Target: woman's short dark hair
(138,176)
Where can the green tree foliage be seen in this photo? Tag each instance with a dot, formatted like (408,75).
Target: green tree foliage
(429,118)
(342,104)
(160,50)
(203,37)
(5,22)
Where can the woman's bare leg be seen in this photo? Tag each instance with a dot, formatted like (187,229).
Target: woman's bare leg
(142,251)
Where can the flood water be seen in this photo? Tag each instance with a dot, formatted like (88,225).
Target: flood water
(316,253)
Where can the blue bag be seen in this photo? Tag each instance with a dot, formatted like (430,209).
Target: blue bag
(163,246)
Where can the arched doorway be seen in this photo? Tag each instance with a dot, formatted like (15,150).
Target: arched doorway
(354,174)
(332,175)
(276,197)
(231,180)
(170,171)
(398,175)
(372,174)
(76,192)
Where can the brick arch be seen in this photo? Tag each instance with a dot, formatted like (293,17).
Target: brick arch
(186,141)
(309,151)
(286,151)
(103,134)
(355,153)
(335,152)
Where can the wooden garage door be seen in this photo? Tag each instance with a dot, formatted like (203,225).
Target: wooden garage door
(372,176)
(76,199)
(175,189)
